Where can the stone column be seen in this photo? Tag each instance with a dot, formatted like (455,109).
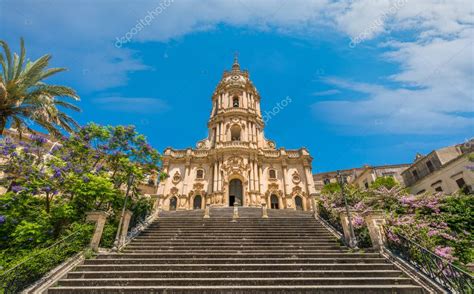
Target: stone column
(307,176)
(124,229)
(284,171)
(214,180)
(255,175)
(166,180)
(99,217)
(260,176)
(345,226)
(375,221)
(219,180)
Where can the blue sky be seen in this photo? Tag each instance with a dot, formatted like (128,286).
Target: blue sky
(371,82)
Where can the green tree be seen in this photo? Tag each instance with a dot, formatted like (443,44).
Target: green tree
(387,182)
(26,99)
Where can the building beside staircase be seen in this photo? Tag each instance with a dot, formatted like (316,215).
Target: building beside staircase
(236,163)
(362,177)
(446,170)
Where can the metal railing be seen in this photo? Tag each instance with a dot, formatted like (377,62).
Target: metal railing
(34,267)
(326,216)
(440,270)
(137,225)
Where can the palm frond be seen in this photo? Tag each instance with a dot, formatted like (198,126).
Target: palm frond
(22,58)
(51,71)
(32,73)
(67,105)
(55,90)
(8,55)
(26,100)
(4,68)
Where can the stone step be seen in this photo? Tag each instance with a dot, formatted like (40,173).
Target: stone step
(238,221)
(237,255)
(208,231)
(236,267)
(320,289)
(236,247)
(233,274)
(235,260)
(231,225)
(234,251)
(234,237)
(231,233)
(290,252)
(210,281)
(223,230)
(233,241)
(217,220)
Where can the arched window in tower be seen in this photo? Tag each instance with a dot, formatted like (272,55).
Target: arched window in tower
(235,101)
(272,174)
(235,133)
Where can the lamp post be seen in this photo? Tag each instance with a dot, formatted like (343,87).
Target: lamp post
(117,236)
(352,241)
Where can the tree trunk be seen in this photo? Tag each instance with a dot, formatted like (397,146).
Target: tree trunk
(47,203)
(3,123)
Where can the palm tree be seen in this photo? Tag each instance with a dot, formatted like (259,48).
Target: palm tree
(25,99)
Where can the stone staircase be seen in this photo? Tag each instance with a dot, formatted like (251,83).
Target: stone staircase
(290,252)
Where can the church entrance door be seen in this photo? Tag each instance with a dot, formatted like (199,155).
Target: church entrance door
(235,192)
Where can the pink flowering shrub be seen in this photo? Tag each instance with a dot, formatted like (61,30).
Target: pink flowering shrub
(442,223)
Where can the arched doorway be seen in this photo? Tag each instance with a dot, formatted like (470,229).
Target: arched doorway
(274,202)
(173,203)
(298,203)
(197,203)
(235,192)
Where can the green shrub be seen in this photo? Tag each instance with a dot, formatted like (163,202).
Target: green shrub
(109,233)
(27,266)
(387,182)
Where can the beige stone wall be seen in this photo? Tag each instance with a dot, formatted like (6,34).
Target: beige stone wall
(446,177)
(370,174)
(292,179)
(236,149)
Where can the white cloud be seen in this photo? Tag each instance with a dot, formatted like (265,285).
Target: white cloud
(432,46)
(131,104)
(434,92)
(326,93)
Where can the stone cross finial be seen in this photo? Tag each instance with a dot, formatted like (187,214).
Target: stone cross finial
(236,65)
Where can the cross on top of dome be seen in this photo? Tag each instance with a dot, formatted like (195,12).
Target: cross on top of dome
(236,65)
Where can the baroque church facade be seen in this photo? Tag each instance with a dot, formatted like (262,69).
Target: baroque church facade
(236,164)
